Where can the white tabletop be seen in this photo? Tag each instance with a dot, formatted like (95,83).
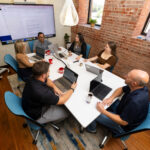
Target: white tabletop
(84,112)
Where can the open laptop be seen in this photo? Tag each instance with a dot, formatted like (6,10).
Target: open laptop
(93,69)
(55,50)
(99,89)
(64,83)
(40,53)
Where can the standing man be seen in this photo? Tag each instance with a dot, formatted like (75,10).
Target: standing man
(41,99)
(41,42)
(131,110)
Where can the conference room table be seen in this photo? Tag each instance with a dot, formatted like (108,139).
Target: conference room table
(84,112)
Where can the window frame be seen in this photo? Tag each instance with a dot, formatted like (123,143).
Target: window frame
(146,23)
(89,11)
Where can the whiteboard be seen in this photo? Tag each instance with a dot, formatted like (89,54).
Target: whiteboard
(25,21)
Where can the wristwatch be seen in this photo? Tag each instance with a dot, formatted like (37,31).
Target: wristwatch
(72,89)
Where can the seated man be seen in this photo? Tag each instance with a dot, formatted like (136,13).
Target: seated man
(41,42)
(131,110)
(41,99)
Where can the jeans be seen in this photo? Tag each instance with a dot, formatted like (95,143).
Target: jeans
(107,122)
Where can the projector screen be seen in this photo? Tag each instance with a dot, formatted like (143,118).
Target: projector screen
(25,21)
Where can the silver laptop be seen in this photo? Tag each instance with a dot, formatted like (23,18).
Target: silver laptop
(54,48)
(64,83)
(93,69)
(40,53)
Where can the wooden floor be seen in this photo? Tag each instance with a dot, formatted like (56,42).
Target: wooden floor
(14,137)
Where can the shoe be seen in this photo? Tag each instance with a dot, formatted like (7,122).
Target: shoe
(91,131)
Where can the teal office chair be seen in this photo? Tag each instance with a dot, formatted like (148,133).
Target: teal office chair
(14,104)
(9,60)
(88,48)
(124,136)
(31,43)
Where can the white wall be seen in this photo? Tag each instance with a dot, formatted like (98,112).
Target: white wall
(60,30)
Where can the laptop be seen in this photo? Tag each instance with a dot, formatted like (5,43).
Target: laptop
(40,53)
(64,83)
(99,89)
(93,69)
(55,50)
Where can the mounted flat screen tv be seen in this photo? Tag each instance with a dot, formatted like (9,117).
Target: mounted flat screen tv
(25,21)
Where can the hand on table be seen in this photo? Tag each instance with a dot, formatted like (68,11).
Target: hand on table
(58,92)
(73,86)
(107,101)
(69,53)
(100,107)
(78,58)
(85,60)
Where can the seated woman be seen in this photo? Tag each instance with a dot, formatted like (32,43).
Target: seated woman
(106,58)
(78,46)
(25,67)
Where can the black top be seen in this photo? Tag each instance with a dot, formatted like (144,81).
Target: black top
(83,48)
(37,95)
(25,73)
(133,107)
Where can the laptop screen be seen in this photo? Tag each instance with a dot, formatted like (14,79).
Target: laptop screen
(53,48)
(40,52)
(70,75)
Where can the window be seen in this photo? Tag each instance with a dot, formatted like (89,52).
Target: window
(96,10)
(146,26)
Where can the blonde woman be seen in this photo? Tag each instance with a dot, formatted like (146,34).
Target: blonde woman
(24,66)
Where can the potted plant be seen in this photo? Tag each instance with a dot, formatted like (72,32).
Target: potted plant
(66,38)
(92,22)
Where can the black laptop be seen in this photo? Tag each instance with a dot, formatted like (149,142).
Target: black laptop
(40,53)
(99,89)
(64,83)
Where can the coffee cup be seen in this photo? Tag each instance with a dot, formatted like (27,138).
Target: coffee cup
(48,52)
(51,61)
(61,70)
(89,97)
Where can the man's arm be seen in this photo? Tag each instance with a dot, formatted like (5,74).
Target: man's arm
(51,84)
(63,98)
(116,118)
(117,93)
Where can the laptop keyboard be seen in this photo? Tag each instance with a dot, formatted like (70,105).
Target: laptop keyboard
(101,91)
(37,57)
(63,84)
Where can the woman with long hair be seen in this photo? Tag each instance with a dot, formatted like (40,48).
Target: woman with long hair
(78,46)
(24,66)
(106,58)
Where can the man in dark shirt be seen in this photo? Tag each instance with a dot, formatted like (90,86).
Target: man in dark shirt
(41,99)
(131,110)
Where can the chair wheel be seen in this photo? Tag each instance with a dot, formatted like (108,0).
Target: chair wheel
(25,125)
(57,129)
(34,142)
(101,146)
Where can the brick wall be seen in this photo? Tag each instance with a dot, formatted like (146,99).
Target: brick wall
(122,21)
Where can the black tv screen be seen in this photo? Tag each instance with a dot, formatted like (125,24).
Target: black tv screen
(25,21)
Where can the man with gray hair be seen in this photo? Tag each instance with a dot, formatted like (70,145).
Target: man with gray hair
(131,110)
